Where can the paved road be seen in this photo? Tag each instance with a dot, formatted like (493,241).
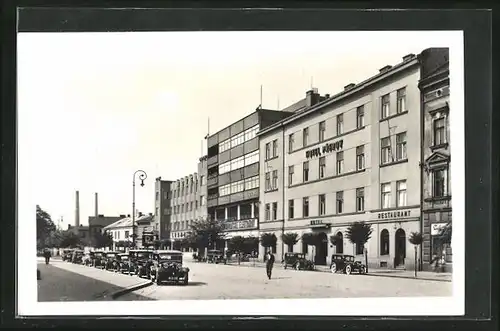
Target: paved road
(58,284)
(210,281)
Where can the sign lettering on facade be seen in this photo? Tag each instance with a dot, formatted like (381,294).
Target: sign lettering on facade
(327,148)
(316,222)
(240,225)
(436,228)
(394,214)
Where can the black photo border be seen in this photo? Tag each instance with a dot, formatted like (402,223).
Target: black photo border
(481,156)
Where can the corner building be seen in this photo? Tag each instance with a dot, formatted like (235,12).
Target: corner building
(233,174)
(352,157)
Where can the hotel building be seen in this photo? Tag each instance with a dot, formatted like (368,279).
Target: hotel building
(436,156)
(233,173)
(188,202)
(352,157)
(163,210)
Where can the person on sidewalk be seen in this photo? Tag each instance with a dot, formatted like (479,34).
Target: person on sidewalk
(269,264)
(47,255)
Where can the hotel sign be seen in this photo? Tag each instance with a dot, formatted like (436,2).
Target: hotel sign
(394,214)
(327,148)
(240,225)
(316,222)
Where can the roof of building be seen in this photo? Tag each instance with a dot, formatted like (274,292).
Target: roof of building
(122,223)
(102,220)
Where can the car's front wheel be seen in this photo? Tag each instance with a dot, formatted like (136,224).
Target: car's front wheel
(186,280)
(333,268)
(348,269)
(362,270)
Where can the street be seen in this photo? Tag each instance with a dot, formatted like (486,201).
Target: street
(211,281)
(58,283)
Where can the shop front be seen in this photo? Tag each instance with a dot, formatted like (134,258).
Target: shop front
(433,247)
(248,229)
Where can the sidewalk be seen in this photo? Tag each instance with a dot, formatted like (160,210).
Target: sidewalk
(410,274)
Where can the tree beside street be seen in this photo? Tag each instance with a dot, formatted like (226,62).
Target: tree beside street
(359,233)
(206,233)
(290,239)
(45,228)
(102,240)
(416,240)
(335,240)
(237,245)
(70,240)
(268,240)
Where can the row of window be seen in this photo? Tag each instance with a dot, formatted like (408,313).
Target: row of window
(239,186)
(181,225)
(183,208)
(400,103)
(184,188)
(272,149)
(239,162)
(116,234)
(239,139)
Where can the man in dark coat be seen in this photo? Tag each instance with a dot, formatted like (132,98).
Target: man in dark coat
(269,264)
(47,255)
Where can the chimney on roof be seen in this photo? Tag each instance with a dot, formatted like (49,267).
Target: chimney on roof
(384,69)
(408,57)
(349,86)
(312,97)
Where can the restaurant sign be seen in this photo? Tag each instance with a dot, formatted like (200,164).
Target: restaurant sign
(327,148)
(240,225)
(394,214)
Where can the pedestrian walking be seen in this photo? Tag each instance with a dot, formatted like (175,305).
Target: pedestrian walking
(269,264)
(47,255)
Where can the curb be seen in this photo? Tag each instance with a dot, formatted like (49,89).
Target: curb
(129,289)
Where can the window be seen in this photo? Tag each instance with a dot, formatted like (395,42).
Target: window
(360,199)
(191,206)
(268,181)
(401,193)
(305,171)
(305,207)
(251,183)
(238,139)
(268,211)
(239,162)
(322,129)
(291,140)
(275,148)
(275,211)
(385,112)
(384,242)
(224,167)
(439,183)
(401,146)
(340,163)
(203,200)
(251,133)
(275,180)
(385,150)
(290,209)
(126,234)
(322,204)
(386,196)
(401,105)
(224,190)
(360,117)
(340,202)
(340,124)
(360,157)
(196,204)
(290,175)
(268,151)
(157,196)
(439,131)
(250,158)
(322,167)
(225,145)
(360,249)
(305,137)
(157,211)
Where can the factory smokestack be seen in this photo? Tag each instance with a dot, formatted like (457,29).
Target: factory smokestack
(96,205)
(77,209)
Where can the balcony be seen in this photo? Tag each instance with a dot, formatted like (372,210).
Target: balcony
(213,181)
(212,160)
(212,202)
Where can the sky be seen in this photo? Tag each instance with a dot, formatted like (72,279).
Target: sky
(95,107)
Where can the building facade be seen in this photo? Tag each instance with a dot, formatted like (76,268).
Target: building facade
(233,174)
(352,157)
(120,230)
(97,223)
(436,153)
(188,202)
(163,209)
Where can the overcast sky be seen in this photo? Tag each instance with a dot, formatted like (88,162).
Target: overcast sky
(98,106)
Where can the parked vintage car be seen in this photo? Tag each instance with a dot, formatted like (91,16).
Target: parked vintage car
(123,263)
(346,264)
(141,260)
(98,259)
(77,256)
(67,255)
(297,261)
(167,267)
(216,256)
(87,259)
(109,260)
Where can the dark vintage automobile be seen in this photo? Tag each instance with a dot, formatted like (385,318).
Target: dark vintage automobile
(98,259)
(67,255)
(141,260)
(216,256)
(109,260)
(123,264)
(167,267)
(346,264)
(77,256)
(297,261)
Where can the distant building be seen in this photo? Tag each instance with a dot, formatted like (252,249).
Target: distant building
(163,210)
(120,230)
(123,229)
(97,223)
(81,230)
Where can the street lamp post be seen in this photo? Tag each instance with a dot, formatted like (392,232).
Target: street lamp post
(142,176)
